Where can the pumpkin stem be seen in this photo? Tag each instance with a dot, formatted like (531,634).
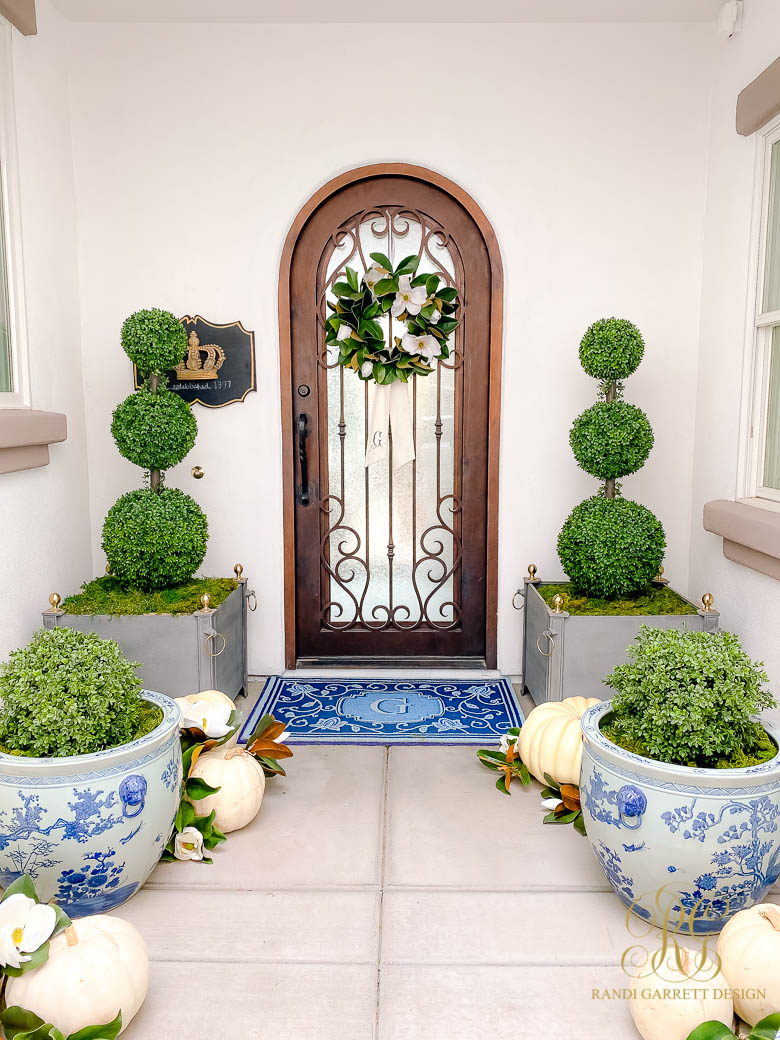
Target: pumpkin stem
(769,913)
(234,751)
(72,935)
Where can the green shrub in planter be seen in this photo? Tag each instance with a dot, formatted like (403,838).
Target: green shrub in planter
(154,340)
(70,693)
(611,439)
(154,428)
(156,537)
(690,698)
(611,546)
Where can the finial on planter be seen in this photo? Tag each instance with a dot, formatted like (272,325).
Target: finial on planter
(54,601)
(205,601)
(557,603)
(707,601)
(108,569)
(659,579)
(532,572)
(238,570)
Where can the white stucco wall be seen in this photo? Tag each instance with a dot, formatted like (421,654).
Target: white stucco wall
(585,145)
(750,602)
(44,513)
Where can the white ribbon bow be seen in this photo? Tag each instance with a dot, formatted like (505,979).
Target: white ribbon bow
(388,408)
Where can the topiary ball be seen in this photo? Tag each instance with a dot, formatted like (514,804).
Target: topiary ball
(611,439)
(611,547)
(154,340)
(154,428)
(611,349)
(155,539)
(68,693)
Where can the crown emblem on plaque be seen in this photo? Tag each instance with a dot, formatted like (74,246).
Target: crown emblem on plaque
(201,362)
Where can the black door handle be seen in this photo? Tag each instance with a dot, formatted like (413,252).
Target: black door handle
(303,433)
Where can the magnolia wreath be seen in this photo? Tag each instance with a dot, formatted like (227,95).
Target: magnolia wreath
(429,313)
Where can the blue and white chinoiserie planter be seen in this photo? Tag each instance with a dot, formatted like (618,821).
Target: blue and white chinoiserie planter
(89,829)
(692,846)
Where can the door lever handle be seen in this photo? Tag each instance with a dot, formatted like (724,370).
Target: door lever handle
(303,433)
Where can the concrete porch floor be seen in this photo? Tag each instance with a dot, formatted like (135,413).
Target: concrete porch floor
(386,895)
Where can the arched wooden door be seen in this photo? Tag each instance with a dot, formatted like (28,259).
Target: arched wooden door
(382,565)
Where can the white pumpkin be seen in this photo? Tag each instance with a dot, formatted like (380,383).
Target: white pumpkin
(97,967)
(668,1003)
(749,951)
(551,740)
(241,780)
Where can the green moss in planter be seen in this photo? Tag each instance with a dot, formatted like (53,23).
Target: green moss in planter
(762,750)
(651,600)
(111,596)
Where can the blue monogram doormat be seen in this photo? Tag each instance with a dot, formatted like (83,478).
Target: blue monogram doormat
(388,711)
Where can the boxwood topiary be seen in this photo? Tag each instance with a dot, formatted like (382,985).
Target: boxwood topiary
(154,340)
(611,439)
(153,539)
(69,693)
(611,547)
(154,428)
(688,697)
(611,349)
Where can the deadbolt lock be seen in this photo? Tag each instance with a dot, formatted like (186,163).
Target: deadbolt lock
(304,390)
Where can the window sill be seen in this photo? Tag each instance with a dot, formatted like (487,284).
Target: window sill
(25,436)
(750,533)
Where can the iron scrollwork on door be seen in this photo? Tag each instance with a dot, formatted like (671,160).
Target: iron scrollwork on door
(391,541)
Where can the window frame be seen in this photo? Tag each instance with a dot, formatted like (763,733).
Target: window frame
(19,395)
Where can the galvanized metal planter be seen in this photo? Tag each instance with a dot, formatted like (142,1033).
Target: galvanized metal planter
(179,653)
(567,655)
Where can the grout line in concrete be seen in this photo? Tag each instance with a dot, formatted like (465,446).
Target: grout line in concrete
(382,860)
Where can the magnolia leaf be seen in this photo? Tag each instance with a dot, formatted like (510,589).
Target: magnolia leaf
(552,783)
(448,294)
(432,283)
(579,825)
(385,286)
(712,1031)
(35,960)
(352,279)
(197,788)
(408,264)
(105,1032)
(387,303)
(525,775)
(767,1028)
(185,816)
(502,785)
(270,766)
(497,756)
(62,921)
(560,817)
(20,1024)
(23,885)
(382,260)
(571,796)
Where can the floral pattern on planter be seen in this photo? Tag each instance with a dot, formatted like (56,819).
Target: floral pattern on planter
(65,818)
(709,839)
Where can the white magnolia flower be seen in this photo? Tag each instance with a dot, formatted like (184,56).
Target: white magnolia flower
(24,927)
(427,346)
(188,844)
(344,331)
(407,298)
(366,369)
(434,318)
(507,741)
(211,718)
(375,274)
(551,803)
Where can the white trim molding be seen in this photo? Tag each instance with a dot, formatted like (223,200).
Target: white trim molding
(19,397)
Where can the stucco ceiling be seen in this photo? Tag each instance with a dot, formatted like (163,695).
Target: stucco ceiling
(399,11)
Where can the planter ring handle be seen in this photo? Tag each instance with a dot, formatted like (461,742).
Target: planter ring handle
(514,604)
(214,635)
(251,600)
(549,635)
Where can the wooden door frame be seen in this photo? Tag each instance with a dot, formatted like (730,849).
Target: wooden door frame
(419,173)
